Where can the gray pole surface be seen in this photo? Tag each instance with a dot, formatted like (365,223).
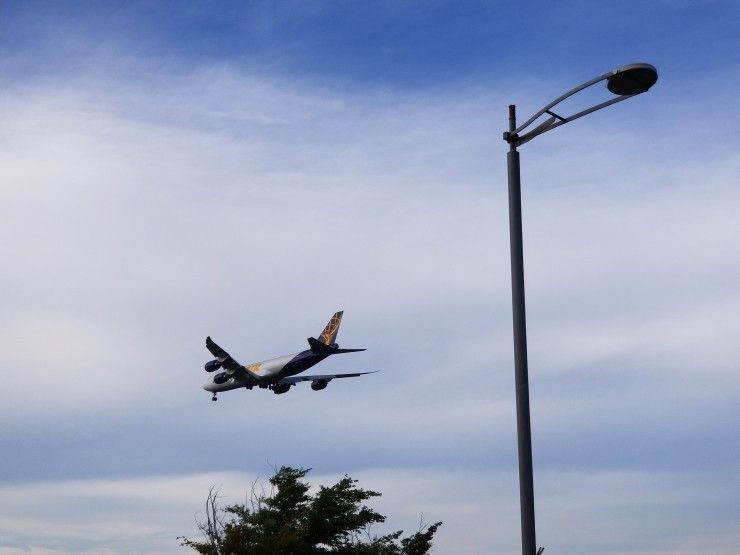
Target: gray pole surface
(524,432)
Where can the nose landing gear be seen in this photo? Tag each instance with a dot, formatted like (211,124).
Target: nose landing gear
(214,398)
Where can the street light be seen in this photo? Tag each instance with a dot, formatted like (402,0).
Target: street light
(626,82)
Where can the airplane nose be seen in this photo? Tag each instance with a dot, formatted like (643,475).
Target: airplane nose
(208,386)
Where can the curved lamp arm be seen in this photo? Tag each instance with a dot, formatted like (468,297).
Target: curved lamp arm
(626,82)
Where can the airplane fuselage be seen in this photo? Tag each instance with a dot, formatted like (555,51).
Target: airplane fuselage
(268,371)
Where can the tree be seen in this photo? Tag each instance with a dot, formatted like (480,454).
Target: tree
(288,520)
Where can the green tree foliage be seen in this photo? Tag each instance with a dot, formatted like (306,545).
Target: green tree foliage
(288,520)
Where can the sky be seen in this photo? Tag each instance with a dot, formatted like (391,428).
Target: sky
(173,170)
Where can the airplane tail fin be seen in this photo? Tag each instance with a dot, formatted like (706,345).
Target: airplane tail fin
(329,335)
(327,341)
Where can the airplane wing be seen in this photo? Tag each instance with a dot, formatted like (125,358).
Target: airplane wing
(325,378)
(229,364)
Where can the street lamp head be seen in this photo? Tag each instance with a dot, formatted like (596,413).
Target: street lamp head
(632,79)
(625,82)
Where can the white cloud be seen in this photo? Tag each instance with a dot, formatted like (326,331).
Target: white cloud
(132,206)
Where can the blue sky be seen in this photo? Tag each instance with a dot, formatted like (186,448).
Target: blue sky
(243,170)
(396,44)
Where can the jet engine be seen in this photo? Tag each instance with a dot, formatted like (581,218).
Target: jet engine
(319,384)
(280,388)
(223,377)
(212,365)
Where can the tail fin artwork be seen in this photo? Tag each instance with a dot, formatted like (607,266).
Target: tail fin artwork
(329,335)
(327,341)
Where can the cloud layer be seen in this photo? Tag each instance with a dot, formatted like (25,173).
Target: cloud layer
(607,512)
(144,214)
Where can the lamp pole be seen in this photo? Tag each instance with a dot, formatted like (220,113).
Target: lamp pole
(521,373)
(626,82)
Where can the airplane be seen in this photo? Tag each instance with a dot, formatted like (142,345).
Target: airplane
(277,374)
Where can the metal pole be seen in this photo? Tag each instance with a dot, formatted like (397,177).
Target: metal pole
(524,432)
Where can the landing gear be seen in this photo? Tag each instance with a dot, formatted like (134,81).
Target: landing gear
(214,398)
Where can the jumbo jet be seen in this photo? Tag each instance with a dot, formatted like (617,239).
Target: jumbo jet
(278,374)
